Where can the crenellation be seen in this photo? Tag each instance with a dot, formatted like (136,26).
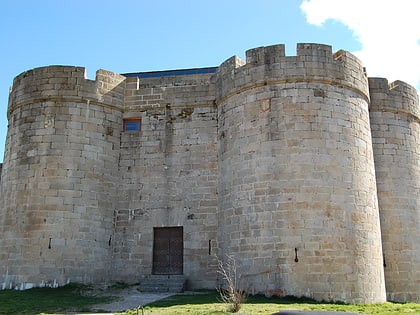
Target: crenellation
(264,55)
(314,50)
(394,116)
(397,96)
(299,166)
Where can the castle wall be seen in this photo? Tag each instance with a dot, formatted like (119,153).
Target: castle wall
(298,207)
(395,118)
(275,161)
(58,187)
(169,173)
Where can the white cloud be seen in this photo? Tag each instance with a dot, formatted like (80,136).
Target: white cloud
(388,30)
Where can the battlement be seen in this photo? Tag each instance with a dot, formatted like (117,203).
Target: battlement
(100,175)
(65,82)
(312,63)
(314,50)
(265,55)
(274,54)
(395,96)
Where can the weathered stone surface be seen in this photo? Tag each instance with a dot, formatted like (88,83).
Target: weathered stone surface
(394,117)
(279,161)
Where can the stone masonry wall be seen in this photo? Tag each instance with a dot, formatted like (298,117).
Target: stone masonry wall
(298,205)
(169,172)
(297,166)
(395,119)
(58,187)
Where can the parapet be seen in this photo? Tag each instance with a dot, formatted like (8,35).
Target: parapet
(313,63)
(397,96)
(66,83)
(265,55)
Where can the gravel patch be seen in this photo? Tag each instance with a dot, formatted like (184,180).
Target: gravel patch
(130,298)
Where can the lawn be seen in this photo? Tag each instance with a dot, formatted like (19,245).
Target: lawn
(48,301)
(73,299)
(208,304)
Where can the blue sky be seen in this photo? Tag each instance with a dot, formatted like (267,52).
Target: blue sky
(144,35)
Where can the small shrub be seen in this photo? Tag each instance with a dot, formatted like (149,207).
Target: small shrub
(232,295)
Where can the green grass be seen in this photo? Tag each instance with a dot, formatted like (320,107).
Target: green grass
(208,304)
(48,301)
(69,299)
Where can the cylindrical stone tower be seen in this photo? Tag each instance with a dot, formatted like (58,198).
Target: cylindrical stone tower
(298,203)
(58,178)
(395,123)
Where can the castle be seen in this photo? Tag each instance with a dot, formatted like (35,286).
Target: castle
(301,167)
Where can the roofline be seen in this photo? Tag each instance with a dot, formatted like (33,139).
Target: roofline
(167,73)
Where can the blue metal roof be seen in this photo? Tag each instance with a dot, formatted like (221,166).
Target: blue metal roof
(168,73)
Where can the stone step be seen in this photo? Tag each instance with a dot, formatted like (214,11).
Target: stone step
(162,283)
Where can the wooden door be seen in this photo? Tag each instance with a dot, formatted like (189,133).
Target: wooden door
(168,251)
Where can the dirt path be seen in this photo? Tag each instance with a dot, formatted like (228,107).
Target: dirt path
(127,298)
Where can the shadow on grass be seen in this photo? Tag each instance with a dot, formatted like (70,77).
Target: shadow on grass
(255,304)
(208,297)
(69,298)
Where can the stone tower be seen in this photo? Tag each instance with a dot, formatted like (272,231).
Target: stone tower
(395,117)
(300,167)
(58,186)
(297,190)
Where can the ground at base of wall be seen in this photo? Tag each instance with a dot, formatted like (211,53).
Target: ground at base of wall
(127,298)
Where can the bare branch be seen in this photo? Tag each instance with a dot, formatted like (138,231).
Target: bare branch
(232,295)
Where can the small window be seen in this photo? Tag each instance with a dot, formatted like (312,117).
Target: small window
(132,124)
